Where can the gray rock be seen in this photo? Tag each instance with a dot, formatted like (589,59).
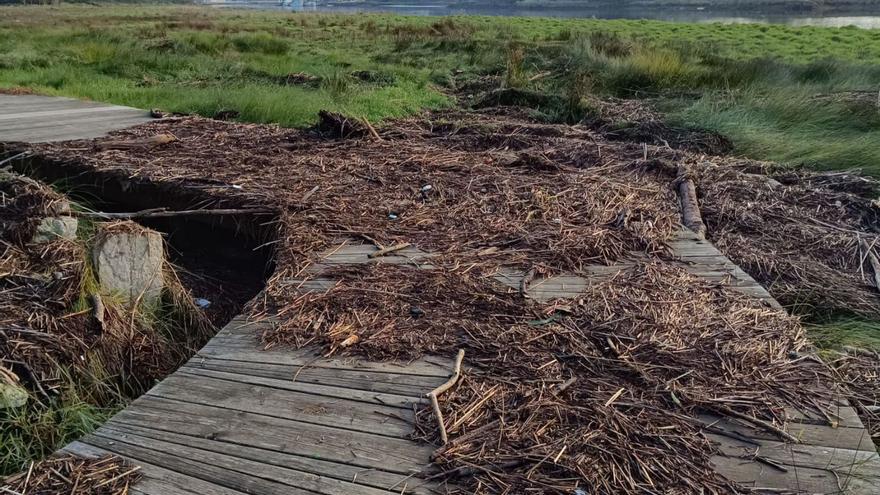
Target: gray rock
(130,264)
(52,228)
(12,396)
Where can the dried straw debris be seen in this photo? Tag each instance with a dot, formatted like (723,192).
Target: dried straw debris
(70,474)
(799,235)
(639,356)
(598,393)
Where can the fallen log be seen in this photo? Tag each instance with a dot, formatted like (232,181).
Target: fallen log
(164,213)
(124,144)
(690,208)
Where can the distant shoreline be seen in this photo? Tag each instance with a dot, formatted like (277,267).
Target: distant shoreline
(727,6)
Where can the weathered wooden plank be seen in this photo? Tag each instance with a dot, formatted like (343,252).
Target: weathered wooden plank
(194,467)
(41,105)
(157,480)
(373,478)
(365,450)
(10,103)
(354,394)
(797,480)
(855,462)
(309,285)
(246,351)
(810,434)
(391,383)
(353,253)
(68,121)
(713,261)
(307,408)
(227,470)
(50,114)
(844,414)
(72,132)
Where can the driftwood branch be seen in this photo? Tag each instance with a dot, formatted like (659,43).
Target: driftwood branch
(124,144)
(759,423)
(98,310)
(872,259)
(163,213)
(690,208)
(389,250)
(456,373)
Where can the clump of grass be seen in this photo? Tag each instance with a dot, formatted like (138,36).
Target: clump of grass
(515,74)
(839,333)
(610,44)
(337,84)
(35,431)
(261,42)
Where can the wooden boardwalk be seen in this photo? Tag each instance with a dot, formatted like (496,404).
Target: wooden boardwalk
(37,119)
(237,419)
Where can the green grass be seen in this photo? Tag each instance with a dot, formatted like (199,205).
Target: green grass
(33,432)
(757,84)
(845,332)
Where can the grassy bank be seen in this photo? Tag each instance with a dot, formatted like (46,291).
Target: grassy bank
(798,95)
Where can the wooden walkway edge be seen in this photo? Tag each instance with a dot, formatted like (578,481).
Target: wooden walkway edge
(36,119)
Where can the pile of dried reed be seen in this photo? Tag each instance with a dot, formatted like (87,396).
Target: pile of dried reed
(69,474)
(48,333)
(599,392)
(802,235)
(859,370)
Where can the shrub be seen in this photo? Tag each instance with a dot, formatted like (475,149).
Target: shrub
(261,42)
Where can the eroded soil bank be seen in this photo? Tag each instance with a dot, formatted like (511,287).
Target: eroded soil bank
(75,350)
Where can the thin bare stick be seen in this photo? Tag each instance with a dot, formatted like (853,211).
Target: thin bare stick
(162,213)
(372,130)
(872,259)
(456,373)
(389,250)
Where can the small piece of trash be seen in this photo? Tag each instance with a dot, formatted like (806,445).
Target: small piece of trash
(427,187)
(392,216)
(236,186)
(202,303)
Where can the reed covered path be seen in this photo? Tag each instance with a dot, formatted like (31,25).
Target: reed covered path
(238,418)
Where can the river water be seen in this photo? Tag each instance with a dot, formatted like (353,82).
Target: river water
(864,17)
